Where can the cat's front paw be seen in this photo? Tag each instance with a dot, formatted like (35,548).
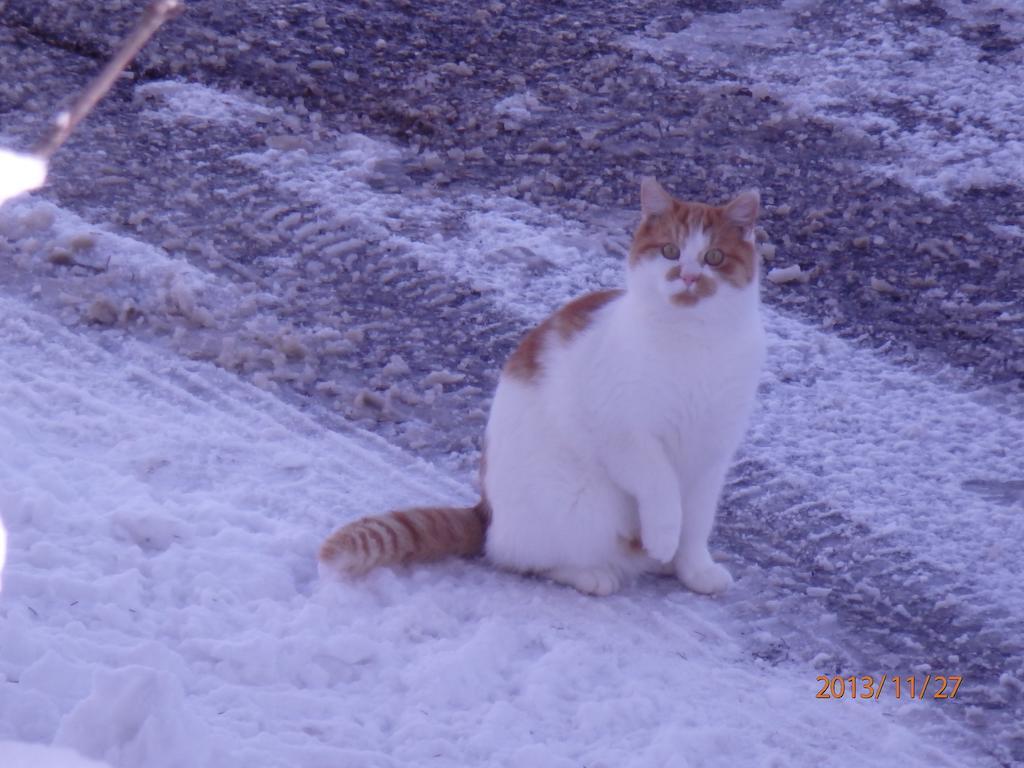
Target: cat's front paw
(707,579)
(590,581)
(661,543)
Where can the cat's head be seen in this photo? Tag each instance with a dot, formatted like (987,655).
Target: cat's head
(694,256)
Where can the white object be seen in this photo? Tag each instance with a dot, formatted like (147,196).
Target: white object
(19,173)
(15,754)
(790,274)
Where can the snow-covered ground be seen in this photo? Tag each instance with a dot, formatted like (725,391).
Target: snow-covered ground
(19,754)
(161,604)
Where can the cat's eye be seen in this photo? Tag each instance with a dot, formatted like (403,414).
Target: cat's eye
(714,258)
(670,251)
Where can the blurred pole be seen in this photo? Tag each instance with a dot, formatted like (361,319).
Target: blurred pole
(152,19)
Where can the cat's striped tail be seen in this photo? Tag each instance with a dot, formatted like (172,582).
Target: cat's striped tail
(406,536)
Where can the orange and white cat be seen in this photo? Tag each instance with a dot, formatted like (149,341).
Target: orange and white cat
(614,421)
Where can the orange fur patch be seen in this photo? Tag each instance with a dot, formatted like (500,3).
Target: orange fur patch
(705,288)
(411,535)
(567,322)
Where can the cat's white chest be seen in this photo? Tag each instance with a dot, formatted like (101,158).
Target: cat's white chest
(713,395)
(694,393)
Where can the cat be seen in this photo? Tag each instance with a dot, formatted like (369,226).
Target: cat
(614,421)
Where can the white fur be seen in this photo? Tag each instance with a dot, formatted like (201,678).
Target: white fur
(3,552)
(628,430)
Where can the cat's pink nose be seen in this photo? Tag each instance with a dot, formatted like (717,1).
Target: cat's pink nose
(690,279)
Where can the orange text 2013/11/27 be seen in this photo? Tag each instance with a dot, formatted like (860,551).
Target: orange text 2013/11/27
(902,687)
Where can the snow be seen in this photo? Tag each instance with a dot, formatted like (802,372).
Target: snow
(194,102)
(790,274)
(500,241)
(125,278)
(947,117)
(897,448)
(21,755)
(518,108)
(337,207)
(136,715)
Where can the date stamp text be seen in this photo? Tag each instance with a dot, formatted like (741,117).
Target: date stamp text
(872,686)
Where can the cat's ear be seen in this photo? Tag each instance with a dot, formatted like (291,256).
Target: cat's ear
(743,209)
(653,197)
